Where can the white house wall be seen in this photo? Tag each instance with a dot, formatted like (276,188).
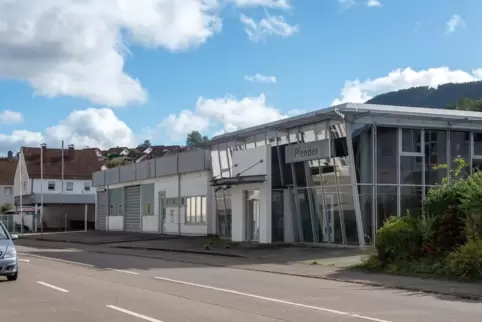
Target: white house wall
(21,169)
(191,184)
(78,186)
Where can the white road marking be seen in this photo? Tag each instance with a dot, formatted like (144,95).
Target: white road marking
(353,315)
(56,259)
(24,260)
(53,287)
(137,315)
(122,271)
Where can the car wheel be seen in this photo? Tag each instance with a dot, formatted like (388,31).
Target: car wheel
(12,277)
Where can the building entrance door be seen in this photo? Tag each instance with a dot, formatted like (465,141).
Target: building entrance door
(252,215)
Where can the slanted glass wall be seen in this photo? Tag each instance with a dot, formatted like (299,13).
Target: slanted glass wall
(320,192)
(404,161)
(392,169)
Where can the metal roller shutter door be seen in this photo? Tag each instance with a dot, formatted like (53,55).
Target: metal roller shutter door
(102,210)
(132,216)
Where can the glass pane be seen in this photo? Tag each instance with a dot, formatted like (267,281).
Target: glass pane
(411,200)
(215,162)
(306,224)
(223,155)
(386,203)
(435,154)
(363,152)
(476,165)
(203,210)
(411,170)
(387,155)
(333,214)
(320,131)
(198,209)
(348,208)
(277,218)
(189,209)
(411,140)
(459,148)
(365,193)
(250,143)
(477,143)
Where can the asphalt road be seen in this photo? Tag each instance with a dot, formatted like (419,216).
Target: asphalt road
(104,287)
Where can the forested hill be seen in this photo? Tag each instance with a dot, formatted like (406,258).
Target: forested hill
(442,97)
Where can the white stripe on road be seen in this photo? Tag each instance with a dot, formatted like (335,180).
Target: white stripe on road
(353,315)
(53,287)
(137,315)
(122,271)
(24,260)
(56,259)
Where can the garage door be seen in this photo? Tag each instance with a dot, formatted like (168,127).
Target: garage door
(132,216)
(102,210)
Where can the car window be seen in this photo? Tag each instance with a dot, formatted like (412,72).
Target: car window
(3,232)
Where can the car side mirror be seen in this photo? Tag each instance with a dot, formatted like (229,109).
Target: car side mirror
(13,237)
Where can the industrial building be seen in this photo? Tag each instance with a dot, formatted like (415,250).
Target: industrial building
(166,195)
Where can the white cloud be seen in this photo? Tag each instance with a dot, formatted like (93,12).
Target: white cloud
(269,26)
(77,48)
(357,91)
(10,117)
(224,114)
(455,22)
(260,78)
(282,4)
(346,4)
(90,127)
(178,126)
(374,3)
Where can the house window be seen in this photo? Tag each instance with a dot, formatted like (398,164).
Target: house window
(8,191)
(148,209)
(86,186)
(69,186)
(51,185)
(196,210)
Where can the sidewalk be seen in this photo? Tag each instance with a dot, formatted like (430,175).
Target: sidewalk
(281,262)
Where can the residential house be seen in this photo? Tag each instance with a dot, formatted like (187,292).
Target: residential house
(157,151)
(121,151)
(7,174)
(65,197)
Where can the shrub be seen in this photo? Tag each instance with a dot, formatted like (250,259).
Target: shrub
(398,240)
(448,231)
(466,261)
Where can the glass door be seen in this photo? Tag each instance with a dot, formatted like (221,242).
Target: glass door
(252,215)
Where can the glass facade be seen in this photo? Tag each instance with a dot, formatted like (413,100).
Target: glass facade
(374,172)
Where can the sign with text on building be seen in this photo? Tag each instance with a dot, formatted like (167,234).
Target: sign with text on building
(307,151)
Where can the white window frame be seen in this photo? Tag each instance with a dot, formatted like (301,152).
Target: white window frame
(8,191)
(401,154)
(50,183)
(195,214)
(69,184)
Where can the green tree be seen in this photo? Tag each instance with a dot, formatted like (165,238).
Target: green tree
(5,207)
(117,162)
(144,145)
(467,104)
(196,139)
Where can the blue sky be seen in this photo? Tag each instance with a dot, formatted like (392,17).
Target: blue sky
(96,76)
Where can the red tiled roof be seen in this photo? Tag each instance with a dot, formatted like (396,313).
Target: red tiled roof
(78,164)
(7,171)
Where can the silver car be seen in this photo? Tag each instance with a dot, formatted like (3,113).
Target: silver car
(8,255)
